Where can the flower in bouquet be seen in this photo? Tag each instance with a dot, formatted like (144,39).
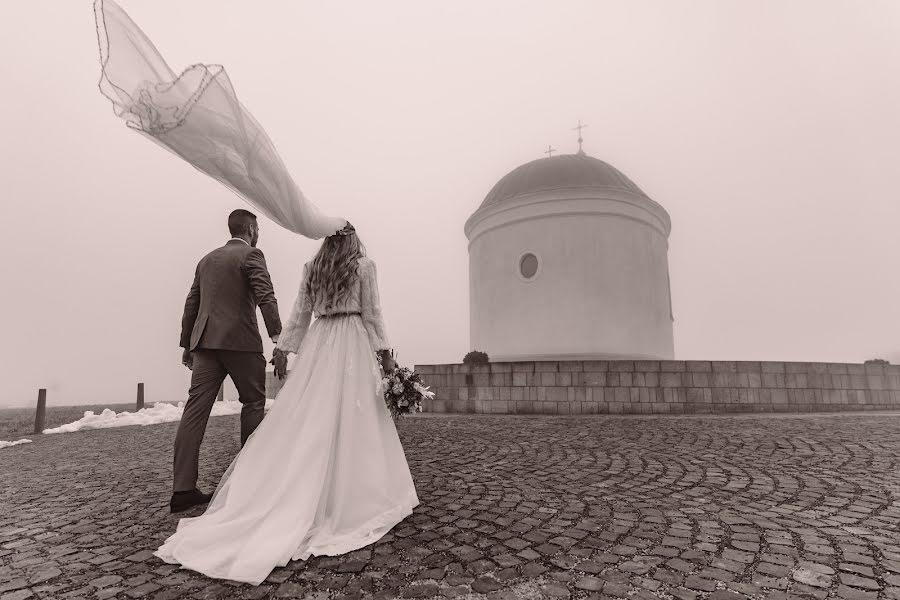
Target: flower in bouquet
(404,392)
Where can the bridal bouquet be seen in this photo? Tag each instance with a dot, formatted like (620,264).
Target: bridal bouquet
(404,392)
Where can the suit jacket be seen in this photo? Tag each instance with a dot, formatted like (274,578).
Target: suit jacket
(220,310)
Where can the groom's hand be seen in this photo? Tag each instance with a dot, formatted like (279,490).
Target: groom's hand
(279,359)
(187,359)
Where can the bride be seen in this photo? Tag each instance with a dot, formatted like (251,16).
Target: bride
(324,473)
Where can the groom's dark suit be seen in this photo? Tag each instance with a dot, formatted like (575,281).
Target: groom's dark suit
(219,327)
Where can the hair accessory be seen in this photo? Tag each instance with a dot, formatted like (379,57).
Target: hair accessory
(347,230)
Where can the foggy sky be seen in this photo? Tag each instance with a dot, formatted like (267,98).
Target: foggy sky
(769,131)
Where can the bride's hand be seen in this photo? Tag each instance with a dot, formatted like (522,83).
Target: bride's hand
(279,359)
(388,364)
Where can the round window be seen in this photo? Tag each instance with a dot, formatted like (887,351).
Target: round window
(528,265)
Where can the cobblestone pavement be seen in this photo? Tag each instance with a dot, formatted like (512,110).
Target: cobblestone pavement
(512,507)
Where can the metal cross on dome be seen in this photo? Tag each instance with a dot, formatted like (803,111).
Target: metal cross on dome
(579,128)
(549,151)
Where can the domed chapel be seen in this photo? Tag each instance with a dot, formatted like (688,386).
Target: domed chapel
(568,260)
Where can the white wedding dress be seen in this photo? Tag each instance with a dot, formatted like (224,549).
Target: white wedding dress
(324,473)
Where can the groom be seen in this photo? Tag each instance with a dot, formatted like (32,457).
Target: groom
(220,336)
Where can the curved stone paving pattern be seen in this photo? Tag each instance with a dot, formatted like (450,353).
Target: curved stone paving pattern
(535,507)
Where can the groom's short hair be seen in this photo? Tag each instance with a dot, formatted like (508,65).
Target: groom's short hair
(240,220)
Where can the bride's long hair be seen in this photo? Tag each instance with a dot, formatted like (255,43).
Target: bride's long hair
(334,269)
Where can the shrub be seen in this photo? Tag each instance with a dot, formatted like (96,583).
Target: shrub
(476,357)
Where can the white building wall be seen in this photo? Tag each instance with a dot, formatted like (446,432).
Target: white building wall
(602,287)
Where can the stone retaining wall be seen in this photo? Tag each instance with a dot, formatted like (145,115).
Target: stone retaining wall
(648,387)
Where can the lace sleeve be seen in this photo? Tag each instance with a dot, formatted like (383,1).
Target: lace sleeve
(301,314)
(370,306)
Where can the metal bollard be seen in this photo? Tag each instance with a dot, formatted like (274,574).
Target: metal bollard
(41,415)
(140,396)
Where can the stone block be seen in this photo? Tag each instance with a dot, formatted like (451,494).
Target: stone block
(892,370)
(484,393)
(547,379)
(596,366)
(646,366)
(571,366)
(435,406)
(779,396)
(672,366)
(425,369)
(518,379)
(557,394)
(836,368)
(504,393)
(462,393)
(590,408)
(727,380)
(541,393)
(795,380)
(670,380)
(773,380)
(796,367)
(698,396)
(651,380)
(859,382)
(501,367)
(772,367)
(533,379)
(625,379)
(516,394)
(613,379)
(481,379)
(818,368)
(621,366)
(456,380)
(621,395)
(564,379)
(591,378)
(501,379)
(893,382)
(615,408)
(856,369)
(700,380)
(597,394)
(547,366)
(634,395)
(698,366)
(500,407)
(873,369)
(724,366)
(876,382)
(522,367)
(748,366)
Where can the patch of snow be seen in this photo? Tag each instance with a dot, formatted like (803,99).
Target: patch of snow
(15,443)
(158,413)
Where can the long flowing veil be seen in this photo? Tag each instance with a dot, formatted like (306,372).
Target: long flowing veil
(197,116)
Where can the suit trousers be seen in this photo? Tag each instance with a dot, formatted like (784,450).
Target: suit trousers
(248,372)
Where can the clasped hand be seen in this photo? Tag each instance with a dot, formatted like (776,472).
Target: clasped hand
(279,359)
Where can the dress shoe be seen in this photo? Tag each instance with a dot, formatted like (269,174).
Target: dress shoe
(182,501)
